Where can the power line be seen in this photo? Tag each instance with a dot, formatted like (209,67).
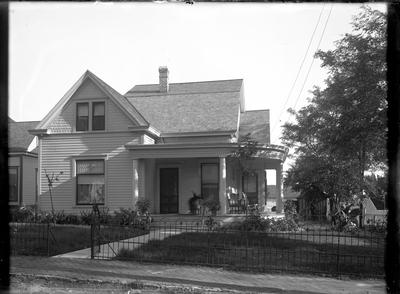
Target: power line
(312,62)
(300,68)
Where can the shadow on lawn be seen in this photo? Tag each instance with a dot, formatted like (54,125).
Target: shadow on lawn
(266,251)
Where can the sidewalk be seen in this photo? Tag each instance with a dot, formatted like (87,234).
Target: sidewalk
(192,276)
(110,250)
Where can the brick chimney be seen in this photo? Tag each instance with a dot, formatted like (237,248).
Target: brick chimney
(164,86)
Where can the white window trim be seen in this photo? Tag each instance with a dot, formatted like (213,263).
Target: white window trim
(90,102)
(73,170)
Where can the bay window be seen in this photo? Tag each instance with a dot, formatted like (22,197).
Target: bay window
(90,183)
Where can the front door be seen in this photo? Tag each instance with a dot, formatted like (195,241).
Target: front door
(169,190)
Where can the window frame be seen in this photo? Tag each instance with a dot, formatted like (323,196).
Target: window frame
(17,202)
(201,178)
(91,174)
(77,116)
(93,116)
(90,116)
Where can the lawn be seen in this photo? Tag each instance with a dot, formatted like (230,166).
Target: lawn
(305,252)
(37,239)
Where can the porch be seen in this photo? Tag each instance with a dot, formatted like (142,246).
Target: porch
(170,176)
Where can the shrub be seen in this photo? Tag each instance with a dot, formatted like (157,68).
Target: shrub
(259,224)
(22,214)
(124,216)
(290,209)
(143,205)
(211,223)
(86,217)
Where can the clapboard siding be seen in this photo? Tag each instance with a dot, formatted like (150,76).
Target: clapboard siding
(65,120)
(59,153)
(28,180)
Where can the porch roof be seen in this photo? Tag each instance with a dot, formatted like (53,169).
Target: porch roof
(192,150)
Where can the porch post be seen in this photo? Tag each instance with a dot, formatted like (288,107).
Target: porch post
(279,186)
(141,178)
(135,180)
(222,185)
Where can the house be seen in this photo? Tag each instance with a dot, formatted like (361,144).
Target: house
(374,211)
(22,163)
(162,142)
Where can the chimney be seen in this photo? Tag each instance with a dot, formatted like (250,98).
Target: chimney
(164,86)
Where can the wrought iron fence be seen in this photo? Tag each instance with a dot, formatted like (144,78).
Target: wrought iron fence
(32,239)
(313,249)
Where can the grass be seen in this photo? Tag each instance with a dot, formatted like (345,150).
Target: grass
(305,252)
(37,239)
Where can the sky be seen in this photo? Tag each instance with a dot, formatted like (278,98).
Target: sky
(53,44)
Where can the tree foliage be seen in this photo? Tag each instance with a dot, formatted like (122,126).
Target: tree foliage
(341,133)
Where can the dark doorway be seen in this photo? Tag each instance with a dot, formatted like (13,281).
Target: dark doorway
(250,187)
(169,190)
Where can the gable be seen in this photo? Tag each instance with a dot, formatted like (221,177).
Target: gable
(65,121)
(88,90)
(120,114)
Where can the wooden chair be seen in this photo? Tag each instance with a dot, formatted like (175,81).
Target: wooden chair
(236,203)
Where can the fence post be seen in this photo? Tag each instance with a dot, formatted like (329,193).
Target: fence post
(48,239)
(338,255)
(91,240)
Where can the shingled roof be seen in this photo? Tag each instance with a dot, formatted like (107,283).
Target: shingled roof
(189,107)
(19,138)
(255,122)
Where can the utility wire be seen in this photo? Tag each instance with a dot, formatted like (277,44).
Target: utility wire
(300,68)
(312,62)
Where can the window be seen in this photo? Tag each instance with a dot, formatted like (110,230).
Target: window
(210,181)
(98,116)
(82,116)
(90,181)
(13,184)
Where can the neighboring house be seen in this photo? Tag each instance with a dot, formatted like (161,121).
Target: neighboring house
(374,212)
(162,142)
(22,163)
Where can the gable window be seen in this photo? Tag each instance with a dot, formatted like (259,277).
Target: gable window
(90,181)
(13,184)
(82,116)
(98,116)
(210,181)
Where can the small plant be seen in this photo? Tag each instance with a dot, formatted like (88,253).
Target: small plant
(125,216)
(211,223)
(50,181)
(22,214)
(290,209)
(143,206)
(212,205)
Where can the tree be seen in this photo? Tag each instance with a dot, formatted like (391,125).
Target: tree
(342,132)
(50,181)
